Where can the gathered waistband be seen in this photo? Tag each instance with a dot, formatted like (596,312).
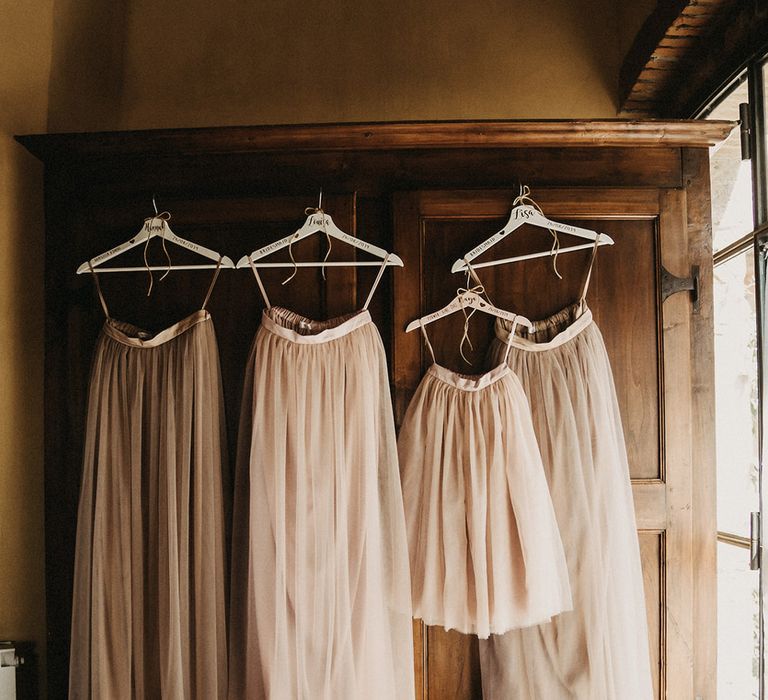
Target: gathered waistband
(468,382)
(128,334)
(569,332)
(300,329)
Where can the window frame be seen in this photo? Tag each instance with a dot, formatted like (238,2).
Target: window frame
(754,70)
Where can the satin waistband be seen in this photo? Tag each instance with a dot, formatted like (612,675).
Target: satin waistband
(337,329)
(568,333)
(128,334)
(467,382)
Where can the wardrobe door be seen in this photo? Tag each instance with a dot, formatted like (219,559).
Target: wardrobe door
(649,345)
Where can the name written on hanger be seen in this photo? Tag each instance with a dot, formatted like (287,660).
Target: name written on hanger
(322,220)
(107,255)
(485,245)
(526,212)
(267,249)
(469,300)
(523,212)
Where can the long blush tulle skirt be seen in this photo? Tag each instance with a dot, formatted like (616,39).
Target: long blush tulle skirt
(321,598)
(600,650)
(148,618)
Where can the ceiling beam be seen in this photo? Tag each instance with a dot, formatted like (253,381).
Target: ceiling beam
(685,50)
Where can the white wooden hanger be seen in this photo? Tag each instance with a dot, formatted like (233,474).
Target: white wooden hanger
(156,226)
(318,221)
(468,298)
(526,211)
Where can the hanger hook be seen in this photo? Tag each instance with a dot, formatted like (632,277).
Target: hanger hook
(154,205)
(320,201)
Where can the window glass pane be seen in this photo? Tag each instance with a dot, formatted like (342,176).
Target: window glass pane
(731,177)
(737,621)
(736,393)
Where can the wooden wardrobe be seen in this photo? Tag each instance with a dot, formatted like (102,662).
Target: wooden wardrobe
(430,192)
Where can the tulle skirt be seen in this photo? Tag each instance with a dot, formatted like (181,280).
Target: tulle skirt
(600,650)
(485,550)
(148,617)
(321,597)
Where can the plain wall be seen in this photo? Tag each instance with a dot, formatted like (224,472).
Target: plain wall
(25,58)
(201,63)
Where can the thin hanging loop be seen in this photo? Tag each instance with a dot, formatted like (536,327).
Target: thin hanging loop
(376,281)
(260,283)
(311,211)
(588,276)
(510,339)
(212,284)
(478,289)
(325,231)
(98,290)
(330,245)
(465,336)
(164,218)
(426,341)
(162,236)
(478,283)
(524,198)
(293,260)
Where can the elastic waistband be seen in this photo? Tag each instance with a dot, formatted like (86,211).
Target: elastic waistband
(568,333)
(331,329)
(469,382)
(128,334)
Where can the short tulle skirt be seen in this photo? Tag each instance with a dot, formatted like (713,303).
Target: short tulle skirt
(485,550)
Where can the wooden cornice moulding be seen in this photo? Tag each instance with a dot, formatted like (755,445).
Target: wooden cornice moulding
(378,136)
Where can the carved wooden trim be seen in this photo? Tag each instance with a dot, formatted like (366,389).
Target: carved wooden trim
(377,136)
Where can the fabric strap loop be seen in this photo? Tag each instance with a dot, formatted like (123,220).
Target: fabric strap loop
(98,289)
(426,341)
(588,275)
(260,283)
(377,280)
(212,284)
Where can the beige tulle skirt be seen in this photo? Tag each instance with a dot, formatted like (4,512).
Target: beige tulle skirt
(600,650)
(485,551)
(148,618)
(321,594)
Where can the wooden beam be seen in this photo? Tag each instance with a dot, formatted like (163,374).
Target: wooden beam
(682,46)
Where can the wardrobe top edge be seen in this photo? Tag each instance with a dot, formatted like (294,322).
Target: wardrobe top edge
(381,136)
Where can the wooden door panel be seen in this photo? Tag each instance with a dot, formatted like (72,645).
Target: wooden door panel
(453,666)
(652,558)
(623,297)
(648,357)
